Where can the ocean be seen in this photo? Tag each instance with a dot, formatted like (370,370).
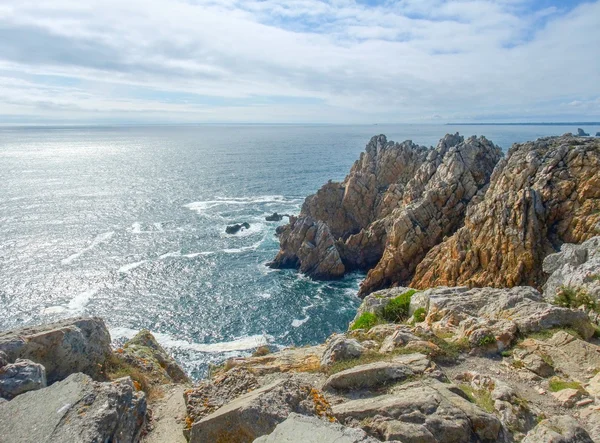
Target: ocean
(128,223)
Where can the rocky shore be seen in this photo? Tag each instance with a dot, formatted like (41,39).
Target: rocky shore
(480,319)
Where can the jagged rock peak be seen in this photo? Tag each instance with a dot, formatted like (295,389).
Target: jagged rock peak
(544,193)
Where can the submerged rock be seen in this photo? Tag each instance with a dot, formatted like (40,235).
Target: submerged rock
(545,193)
(63,348)
(75,410)
(20,377)
(234,229)
(302,429)
(275,217)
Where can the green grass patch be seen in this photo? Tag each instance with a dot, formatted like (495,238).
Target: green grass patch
(366,321)
(481,397)
(116,367)
(365,358)
(419,315)
(558,384)
(486,340)
(568,297)
(396,309)
(548,333)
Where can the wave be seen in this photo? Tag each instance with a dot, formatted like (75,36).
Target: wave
(297,323)
(101,238)
(126,268)
(253,247)
(204,205)
(77,304)
(168,341)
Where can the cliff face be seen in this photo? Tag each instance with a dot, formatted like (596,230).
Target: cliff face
(543,194)
(398,201)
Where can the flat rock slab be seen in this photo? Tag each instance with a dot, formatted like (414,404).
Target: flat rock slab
(379,373)
(258,412)
(423,411)
(75,410)
(63,348)
(302,429)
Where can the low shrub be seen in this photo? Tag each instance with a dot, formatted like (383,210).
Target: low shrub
(366,321)
(481,397)
(396,309)
(419,315)
(568,297)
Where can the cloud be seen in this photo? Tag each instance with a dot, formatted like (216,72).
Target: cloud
(338,61)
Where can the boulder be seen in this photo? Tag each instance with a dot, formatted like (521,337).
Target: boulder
(400,337)
(576,267)
(234,229)
(75,410)
(568,397)
(558,429)
(339,347)
(258,412)
(422,411)
(593,386)
(543,194)
(537,363)
(144,352)
(302,429)
(20,377)
(63,348)
(379,373)
(582,133)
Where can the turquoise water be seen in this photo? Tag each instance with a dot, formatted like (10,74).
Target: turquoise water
(128,223)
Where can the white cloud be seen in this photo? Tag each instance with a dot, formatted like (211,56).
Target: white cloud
(296,60)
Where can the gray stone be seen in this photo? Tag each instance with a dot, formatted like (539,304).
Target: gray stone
(535,363)
(339,348)
(558,429)
(379,373)
(75,410)
(258,412)
(3,359)
(423,411)
(302,429)
(20,377)
(400,337)
(63,348)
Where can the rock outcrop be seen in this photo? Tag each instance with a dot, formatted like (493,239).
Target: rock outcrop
(63,348)
(582,133)
(545,193)
(76,410)
(576,267)
(20,377)
(300,428)
(398,201)
(559,429)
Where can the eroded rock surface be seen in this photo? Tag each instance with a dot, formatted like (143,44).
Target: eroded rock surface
(63,348)
(76,410)
(20,377)
(558,429)
(543,194)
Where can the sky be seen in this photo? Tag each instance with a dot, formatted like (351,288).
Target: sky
(298,61)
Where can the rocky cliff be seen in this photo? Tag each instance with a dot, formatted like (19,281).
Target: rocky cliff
(543,194)
(398,201)
(456,214)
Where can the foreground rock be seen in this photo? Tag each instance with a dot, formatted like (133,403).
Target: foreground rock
(300,428)
(576,267)
(20,377)
(234,229)
(340,348)
(492,317)
(75,410)
(559,429)
(63,348)
(423,411)
(144,352)
(258,412)
(543,194)
(380,373)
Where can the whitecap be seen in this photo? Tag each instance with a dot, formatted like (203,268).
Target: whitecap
(253,247)
(53,310)
(80,301)
(126,268)
(101,238)
(168,341)
(136,228)
(170,254)
(297,323)
(202,206)
(264,295)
